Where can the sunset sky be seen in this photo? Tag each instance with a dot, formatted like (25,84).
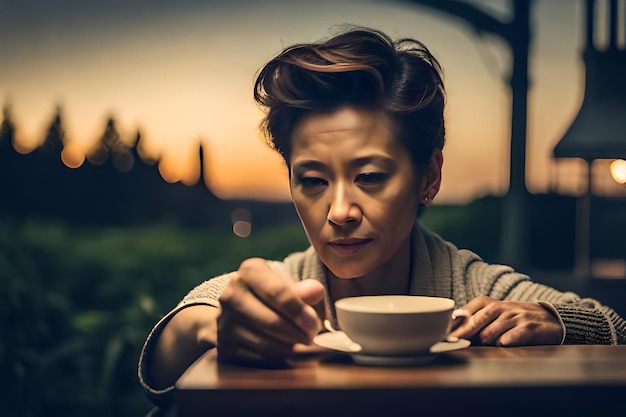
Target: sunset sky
(182,73)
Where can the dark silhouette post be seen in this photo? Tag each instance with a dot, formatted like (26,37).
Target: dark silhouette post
(514,213)
(517,34)
(599,129)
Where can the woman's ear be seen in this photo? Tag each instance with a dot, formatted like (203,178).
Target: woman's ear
(431,178)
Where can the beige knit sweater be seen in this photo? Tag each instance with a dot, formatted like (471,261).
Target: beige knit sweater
(438,269)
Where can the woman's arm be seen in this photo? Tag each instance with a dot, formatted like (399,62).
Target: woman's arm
(190,332)
(179,338)
(584,320)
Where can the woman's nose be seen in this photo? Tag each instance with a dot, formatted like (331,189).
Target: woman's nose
(343,209)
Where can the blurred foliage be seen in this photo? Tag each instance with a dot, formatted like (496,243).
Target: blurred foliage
(76,305)
(475,226)
(550,228)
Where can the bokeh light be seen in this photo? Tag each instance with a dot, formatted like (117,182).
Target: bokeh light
(242,222)
(242,228)
(73,155)
(618,171)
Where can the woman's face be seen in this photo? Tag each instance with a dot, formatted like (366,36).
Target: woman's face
(354,187)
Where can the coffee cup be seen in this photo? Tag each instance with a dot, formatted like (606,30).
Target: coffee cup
(395,325)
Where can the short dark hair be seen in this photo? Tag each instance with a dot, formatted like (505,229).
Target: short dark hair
(362,68)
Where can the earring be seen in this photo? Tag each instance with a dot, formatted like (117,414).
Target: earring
(428,199)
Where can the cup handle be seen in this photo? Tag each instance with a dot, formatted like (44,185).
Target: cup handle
(461,313)
(458,316)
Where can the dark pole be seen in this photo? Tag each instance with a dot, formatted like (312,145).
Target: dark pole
(515,211)
(582,264)
(582,267)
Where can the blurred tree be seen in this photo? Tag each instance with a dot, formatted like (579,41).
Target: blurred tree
(55,135)
(111,145)
(118,184)
(7,129)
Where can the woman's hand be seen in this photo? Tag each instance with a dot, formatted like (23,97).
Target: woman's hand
(508,323)
(263,314)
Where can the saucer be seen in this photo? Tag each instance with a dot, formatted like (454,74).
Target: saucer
(340,342)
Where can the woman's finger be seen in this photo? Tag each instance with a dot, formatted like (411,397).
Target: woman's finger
(251,340)
(310,291)
(479,316)
(492,333)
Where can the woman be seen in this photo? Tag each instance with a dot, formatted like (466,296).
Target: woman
(359,121)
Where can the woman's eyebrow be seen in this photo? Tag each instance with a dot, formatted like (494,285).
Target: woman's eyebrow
(373,159)
(309,164)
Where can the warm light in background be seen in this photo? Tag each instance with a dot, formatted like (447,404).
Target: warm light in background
(242,222)
(618,171)
(73,155)
(242,228)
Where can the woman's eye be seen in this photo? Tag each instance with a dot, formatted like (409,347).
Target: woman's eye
(312,182)
(372,178)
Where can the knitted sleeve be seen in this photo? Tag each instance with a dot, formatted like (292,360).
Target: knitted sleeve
(206,293)
(585,320)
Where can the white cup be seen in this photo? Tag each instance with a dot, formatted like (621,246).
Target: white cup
(395,325)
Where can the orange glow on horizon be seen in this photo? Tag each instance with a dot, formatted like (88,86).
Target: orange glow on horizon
(193,77)
(185,170)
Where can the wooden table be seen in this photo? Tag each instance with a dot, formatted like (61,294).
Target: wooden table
(523,381)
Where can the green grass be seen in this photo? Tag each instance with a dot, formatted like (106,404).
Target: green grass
(76,305)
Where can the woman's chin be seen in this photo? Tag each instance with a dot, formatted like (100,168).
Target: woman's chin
(348,272)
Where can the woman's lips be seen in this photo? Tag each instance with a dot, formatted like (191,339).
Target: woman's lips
(348,246)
